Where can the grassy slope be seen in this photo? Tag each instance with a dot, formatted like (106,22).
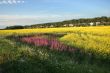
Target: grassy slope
(16,57)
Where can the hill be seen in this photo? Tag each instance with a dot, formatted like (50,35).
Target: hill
(69,23)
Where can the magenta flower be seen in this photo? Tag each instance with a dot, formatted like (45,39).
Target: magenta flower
(52,43)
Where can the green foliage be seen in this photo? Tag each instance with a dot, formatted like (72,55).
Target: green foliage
(25,58)
(14,27)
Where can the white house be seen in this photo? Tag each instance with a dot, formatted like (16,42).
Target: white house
(65,25)
(91,23)
(71,25)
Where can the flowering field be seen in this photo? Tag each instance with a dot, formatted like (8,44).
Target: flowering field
(55,50)
(51,42)
(99,45)
(99,30)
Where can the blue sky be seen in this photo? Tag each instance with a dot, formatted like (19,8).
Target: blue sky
(27,12)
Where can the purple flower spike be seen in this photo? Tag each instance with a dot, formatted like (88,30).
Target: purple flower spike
(52,43)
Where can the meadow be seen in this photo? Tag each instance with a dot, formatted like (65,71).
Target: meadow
(55,50)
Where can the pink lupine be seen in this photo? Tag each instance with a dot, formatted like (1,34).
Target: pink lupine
(51,42)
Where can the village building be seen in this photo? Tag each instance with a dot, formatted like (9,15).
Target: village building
(65,25)
(51,26)
(97,23)
(41,26)
(91,24)
(71,25)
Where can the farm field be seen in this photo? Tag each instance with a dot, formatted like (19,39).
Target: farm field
(55,50)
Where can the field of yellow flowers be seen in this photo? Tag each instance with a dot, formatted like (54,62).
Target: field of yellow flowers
(55,50)
(101,30)
(90,39)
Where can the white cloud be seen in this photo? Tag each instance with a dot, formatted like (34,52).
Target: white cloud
(11,1)
(22,1)
(18,1)
(14,1)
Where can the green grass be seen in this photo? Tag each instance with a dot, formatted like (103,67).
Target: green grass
(18,57)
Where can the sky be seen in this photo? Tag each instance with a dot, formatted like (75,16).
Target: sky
(27,12)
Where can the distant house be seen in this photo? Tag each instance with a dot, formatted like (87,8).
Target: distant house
(91,24)
(97,23)
(41,26)
(71,25)
(51,26)
(65,25)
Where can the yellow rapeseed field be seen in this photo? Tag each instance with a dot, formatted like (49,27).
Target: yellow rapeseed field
(89,43)
(99,30)
(89,39)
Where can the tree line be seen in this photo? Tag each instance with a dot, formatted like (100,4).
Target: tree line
(98,21)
